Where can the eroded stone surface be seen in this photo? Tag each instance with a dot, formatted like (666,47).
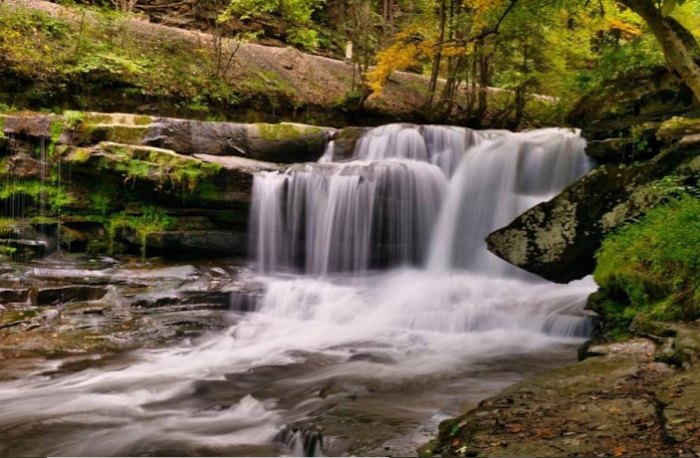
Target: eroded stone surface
(558,239)
(621,403)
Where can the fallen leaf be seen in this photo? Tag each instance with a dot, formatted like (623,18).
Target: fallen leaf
(545,433)
(455,441)
(613,410)
(515,428)
(619,451)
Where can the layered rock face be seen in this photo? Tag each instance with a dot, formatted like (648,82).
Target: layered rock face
(112,182)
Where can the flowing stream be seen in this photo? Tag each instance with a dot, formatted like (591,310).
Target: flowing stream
(382,313)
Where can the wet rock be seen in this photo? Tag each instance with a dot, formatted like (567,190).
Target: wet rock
(244,301)
(34,126)
(678,402)
(190,137)
(558,239)
(641,143)
(630,100)
(25,249)
(8,296)
(221,242)
(21,166)
(210,299)
(286,142)
(345,140)
(592,408)
(678,127)
(66,294)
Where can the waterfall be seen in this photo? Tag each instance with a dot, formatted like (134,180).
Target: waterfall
(373,302)
(497,180)
(419,195)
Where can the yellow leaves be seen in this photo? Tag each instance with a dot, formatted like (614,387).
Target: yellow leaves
(625,28)
(407,48)
(398,56)
(481,6)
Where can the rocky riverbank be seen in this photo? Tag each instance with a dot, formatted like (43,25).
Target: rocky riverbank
(75,308)
(624,399)
(635,392)
(111,183)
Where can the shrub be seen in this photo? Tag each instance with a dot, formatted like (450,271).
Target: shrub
(650,267)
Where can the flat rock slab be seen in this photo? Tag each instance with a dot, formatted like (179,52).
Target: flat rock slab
(10,296)
(66,294)
(619,404)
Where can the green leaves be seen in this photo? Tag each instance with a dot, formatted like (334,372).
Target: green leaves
(667,6)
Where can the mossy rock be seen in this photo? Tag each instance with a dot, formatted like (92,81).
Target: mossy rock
(287,142)
(557,239)
(678,127)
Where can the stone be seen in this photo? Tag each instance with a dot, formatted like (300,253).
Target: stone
(283,143)
(66,294)
(201,241)
(345,140)
(557,239)
(9,296)
(190,137)
(286,142)
(22,166)
(630,100)
(676,128)
(33,126)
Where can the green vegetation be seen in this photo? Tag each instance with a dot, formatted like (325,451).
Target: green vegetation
(297,14)
(150,220)
(650,268)
(40,192)
(160,166)
(57,55)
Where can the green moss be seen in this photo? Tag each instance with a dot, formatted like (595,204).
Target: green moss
(73,119)
(139,169)
(56,129)
(143,120)
(10,316)
(97,118)
(427,450)
(38,191)
(678,127)
(651,266)
(278,132)
(80,156)
(161,166)
(131,135)
(150,220)
(100,202)
(3,120)
(43,220)
(206,191)
(7,225)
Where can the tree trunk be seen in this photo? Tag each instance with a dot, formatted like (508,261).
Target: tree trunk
(678,44)
(436,62)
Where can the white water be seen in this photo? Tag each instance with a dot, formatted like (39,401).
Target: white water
(321,338)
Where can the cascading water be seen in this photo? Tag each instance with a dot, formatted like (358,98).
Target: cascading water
(380,208)
(345,217)
(427,320)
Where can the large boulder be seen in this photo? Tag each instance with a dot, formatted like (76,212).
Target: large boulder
(283,143)
(558,239)
(620,118)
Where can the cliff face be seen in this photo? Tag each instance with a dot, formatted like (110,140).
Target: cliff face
(109,182)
